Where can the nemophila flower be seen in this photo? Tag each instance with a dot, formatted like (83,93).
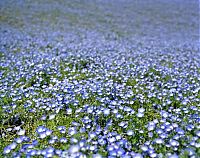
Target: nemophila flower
(141,110)
(151,127)
(82,130)
(88,126)
(19,140)
(35,142)
(158,141)
(96,156)
(13,145)
(115,111)
(150,134)
(130,132)
(190,127)
(16,154)
(131,112)
(159,131)
(113,153)
(74,149)
(110,148)
(163,135)
(109,123)
(192,143)
(82,143)
(69,111)
(98,129)
(169,128)
(73,140)
(173,156)
(40,129)
(197,145)
(92,135)
(106,111)
(52,116)
(58,152)
(198,133)
(140,115)
(123,124)
(127,109)
(49,151)
(144,148)
(72,131)
(92,148)
(111,139)
(180,131)
(176,137)
(48,132)
(90,109)
(111,134)
(17,128)
(120,152)
(52,141)
(21,132)
(9,129)
(174,143)
(102,141)
(42,135)
(164,114)
(153,155)
(7,150)
(138,155)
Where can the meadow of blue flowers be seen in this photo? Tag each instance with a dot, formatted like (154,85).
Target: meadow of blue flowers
(99,78)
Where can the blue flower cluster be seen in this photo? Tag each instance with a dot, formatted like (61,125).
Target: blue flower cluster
(90,85)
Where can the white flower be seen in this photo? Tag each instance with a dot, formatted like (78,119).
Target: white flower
(52,116)
(21,132)
(140,115)
(141,110)
(130,133)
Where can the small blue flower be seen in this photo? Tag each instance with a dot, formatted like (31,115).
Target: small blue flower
(74,149)
(63,140)
(130,132)
(7,150)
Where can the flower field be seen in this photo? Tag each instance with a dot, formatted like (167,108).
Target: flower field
(84,78)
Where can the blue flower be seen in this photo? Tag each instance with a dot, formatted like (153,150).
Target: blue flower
(74,149)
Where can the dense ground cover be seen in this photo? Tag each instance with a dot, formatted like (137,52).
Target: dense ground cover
(99,79)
